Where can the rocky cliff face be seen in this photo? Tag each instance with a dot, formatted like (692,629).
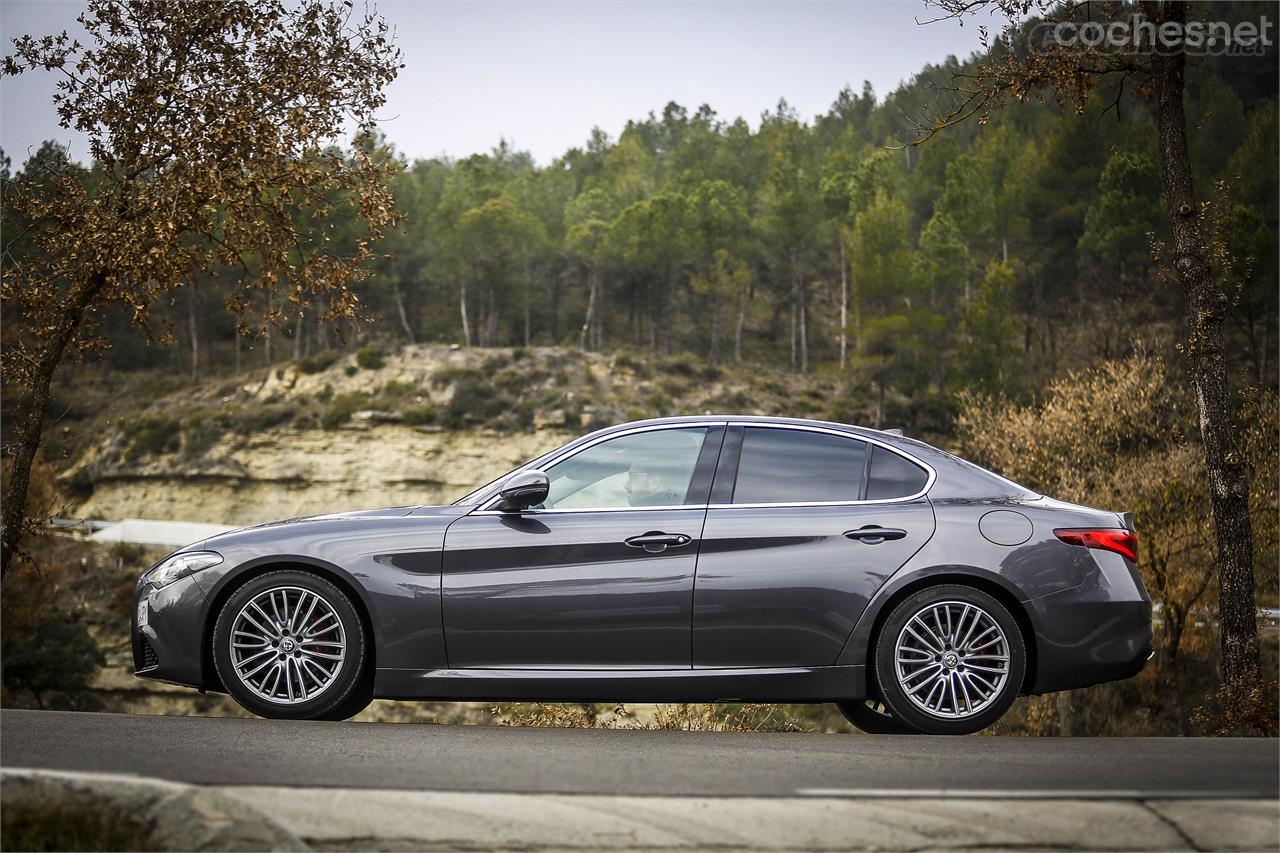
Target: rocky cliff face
(292,472)
(416,425)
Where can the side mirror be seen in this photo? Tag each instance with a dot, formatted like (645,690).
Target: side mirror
(523,490)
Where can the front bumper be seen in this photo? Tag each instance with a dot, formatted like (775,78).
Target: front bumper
(1098,631)
(169,645)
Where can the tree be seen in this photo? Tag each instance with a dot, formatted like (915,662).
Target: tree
(793,213)
(1019,68)
(207,123)
(1121,435)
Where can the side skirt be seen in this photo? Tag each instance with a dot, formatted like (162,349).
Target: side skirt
(774,684)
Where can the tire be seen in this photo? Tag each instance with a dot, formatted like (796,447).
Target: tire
(306,631)
(873,717)
(949,660)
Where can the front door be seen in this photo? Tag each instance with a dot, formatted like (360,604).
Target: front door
(600,576)
(800,534)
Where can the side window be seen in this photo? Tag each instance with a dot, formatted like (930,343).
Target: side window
(892,476)
(797,466)
(638,470)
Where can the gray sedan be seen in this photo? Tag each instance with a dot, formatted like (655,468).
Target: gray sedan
(718,558)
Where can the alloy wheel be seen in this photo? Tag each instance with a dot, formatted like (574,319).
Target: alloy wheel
(287,645)
(952,659)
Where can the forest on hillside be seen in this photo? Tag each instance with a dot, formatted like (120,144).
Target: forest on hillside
(991,257)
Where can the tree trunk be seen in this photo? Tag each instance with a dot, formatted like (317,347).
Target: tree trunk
(404,317)
(737,332)
(28,420)
(844,305)
(713,354)
(299,332)
(591,305)
(462,303)
(1207,307)
(266,330)
(191,329)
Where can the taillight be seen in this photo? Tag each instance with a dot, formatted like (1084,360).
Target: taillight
(1122,542)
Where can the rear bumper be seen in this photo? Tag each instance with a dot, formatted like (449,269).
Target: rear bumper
(1096,632)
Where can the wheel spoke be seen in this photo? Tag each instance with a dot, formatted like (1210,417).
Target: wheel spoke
(936,649)
(932,677)
(255,623)
(964,688)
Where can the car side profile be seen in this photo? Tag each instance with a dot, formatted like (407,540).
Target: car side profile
(718,558)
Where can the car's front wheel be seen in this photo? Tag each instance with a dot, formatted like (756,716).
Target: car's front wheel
(290,645)
(949,659)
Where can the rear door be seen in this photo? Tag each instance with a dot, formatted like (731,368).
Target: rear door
(805,524)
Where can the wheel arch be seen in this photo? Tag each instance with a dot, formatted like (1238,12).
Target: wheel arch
(860,648)
(228,585)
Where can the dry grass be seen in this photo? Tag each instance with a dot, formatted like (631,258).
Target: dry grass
(681,717)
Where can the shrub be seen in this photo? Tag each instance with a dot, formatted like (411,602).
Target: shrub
(48,651)
(396,388)
(627,361)
(153,433)
(418,415)
(681,365)
(342,408)
(474,401)
(457,373)
(370,357)
(350,369)
(318,362)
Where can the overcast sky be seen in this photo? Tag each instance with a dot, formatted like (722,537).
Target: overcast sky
(542,74)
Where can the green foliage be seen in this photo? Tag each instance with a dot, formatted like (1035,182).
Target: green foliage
(152,433)
(419,415)
(49,653)
(342,407)
(370,357)
(474,401)
(319,362)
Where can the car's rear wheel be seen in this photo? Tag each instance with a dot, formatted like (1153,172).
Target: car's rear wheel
(949,659)
(290,645)
(873,717)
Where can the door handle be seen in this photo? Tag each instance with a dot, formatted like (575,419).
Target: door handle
(655,541)
(873,535)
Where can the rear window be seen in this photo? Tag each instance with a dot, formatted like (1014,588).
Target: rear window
(797,466)
(893,476)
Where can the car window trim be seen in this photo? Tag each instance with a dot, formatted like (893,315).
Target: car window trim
(931,477)
(485,508)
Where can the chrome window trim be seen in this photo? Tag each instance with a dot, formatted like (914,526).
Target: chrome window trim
(485,507)
(931,477)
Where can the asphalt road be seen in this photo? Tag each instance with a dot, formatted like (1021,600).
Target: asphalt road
(227,751)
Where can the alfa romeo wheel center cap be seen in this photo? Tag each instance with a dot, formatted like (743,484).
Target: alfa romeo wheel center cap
(951,660)
(287,645)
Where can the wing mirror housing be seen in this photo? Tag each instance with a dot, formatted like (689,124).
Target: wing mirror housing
(523,490)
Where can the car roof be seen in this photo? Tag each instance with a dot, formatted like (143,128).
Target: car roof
(763,419)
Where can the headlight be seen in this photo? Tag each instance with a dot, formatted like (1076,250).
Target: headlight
(179,566)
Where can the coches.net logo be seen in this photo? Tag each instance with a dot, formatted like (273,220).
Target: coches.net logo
(1137,35)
